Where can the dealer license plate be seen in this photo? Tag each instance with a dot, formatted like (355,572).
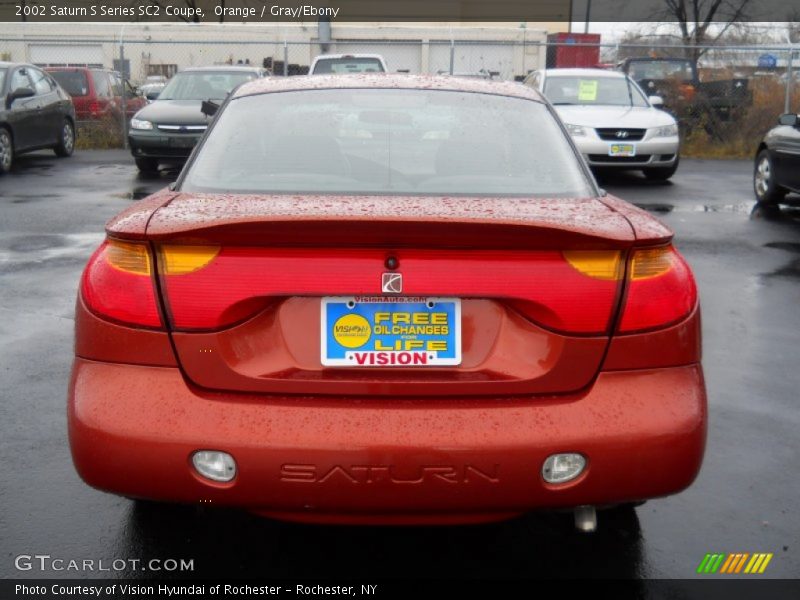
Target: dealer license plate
(379,331)
(622,150)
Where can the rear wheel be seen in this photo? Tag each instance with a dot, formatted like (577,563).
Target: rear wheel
(661,173)
(764,184)
(66,140)
(147,165)
(6,151)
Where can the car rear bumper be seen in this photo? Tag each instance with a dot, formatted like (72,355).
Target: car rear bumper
(133,430)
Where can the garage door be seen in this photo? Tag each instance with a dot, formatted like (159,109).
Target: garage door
(399,56)
(67,55)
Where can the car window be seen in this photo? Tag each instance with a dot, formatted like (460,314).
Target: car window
(73,82)
(19,79)
(588,90)
(40,81)
(116,84)
(3,77)
(348,65)
(204,85)
(101,85)
(661,69)
(383,141)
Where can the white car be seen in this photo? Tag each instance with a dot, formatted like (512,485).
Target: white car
(611,120)
(328,64)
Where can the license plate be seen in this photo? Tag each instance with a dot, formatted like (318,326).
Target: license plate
(360,331)
(622,150)
(183,142)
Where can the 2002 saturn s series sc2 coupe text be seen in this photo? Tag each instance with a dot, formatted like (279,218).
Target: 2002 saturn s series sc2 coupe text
(387,299)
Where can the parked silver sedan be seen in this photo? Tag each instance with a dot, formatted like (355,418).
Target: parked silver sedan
(611,120)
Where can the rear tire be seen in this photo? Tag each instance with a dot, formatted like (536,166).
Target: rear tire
(147,165)
(66,140)
(766,189)
(661,173)
(6,151)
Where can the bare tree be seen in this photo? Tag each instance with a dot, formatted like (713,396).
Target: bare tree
(704,22)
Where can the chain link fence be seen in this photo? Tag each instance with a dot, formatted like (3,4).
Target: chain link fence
(725,98)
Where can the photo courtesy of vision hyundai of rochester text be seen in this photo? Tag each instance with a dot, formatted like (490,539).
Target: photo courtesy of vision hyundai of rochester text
(388,299)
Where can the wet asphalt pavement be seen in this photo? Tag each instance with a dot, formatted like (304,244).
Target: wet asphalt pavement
(747,263)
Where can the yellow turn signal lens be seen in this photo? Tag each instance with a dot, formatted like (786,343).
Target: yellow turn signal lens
(129,257)
(651,262)
(598,264)
(180,259)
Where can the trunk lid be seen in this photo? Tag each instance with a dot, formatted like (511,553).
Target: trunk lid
(249,319)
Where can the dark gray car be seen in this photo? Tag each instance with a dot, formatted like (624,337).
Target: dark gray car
(777,168)
(35,113)
(168,129)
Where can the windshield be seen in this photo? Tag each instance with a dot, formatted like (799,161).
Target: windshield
(73,82)
(203,85)
(661,69)
(384,141)
(604,91)
(348,65)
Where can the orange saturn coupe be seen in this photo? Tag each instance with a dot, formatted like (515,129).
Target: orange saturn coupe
(387,299)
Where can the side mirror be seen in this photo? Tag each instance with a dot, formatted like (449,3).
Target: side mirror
(789,120)
(152,96)
(656,101)
(17,94)
(209,108)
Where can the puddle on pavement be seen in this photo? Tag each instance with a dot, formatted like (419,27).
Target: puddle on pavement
(26,198)
(753,209)
(788,246)
(134,194)
(791,270)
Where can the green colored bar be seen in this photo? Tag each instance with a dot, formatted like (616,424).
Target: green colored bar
(718,563)
(703,563)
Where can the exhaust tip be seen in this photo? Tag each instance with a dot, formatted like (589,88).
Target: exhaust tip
(585,519)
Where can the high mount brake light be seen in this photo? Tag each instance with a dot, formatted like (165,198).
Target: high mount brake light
(118,284)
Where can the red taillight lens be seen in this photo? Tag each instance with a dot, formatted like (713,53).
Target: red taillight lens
(94,108)
(661,290)
(118,284)
(208,288)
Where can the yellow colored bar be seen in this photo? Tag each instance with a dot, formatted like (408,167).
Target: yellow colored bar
(765,563)
(728,563)
(753,562)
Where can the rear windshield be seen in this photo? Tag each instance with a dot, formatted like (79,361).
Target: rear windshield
(203,85)
(384,141)
(600,91)
(73,82)
(348,65)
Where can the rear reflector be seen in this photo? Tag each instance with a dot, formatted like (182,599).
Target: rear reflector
(661,290)
(117,284)
(179,260)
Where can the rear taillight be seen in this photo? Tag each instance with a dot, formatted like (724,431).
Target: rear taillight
(96,107)
(661,290)
(118,284)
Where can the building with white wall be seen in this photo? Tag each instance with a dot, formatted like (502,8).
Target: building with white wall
(149,48)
